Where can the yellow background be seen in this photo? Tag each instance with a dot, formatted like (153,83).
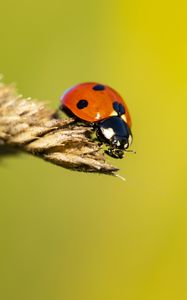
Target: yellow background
(67,235)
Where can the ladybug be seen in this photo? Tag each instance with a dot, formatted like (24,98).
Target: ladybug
(103,108)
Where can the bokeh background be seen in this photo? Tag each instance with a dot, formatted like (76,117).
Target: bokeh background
(67,235)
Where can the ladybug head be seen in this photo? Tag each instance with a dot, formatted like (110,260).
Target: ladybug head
(116,133)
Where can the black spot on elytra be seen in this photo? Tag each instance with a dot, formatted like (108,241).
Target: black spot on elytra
(116,106)
(98,87)
(82,104)
(119,108)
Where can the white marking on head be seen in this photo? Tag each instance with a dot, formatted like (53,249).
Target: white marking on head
(108,133)
(126,146)
(130,139)
(124,118)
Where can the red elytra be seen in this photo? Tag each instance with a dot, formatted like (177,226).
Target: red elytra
(97,99)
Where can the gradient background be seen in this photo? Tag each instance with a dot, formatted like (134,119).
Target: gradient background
(67,235)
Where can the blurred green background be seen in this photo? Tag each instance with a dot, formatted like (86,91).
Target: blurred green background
(67,235)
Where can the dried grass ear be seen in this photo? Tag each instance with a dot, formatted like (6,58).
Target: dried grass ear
(28,125)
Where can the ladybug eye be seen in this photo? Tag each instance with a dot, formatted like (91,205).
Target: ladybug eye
(98,87)
(82,104)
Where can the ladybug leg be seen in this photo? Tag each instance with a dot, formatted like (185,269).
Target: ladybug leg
(81,123)
(114,152)
(56,115)
(94,137)
(98,136)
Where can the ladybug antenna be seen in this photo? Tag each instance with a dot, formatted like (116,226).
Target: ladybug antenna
(131,151)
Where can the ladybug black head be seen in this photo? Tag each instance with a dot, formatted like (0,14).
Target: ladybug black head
(116,133)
